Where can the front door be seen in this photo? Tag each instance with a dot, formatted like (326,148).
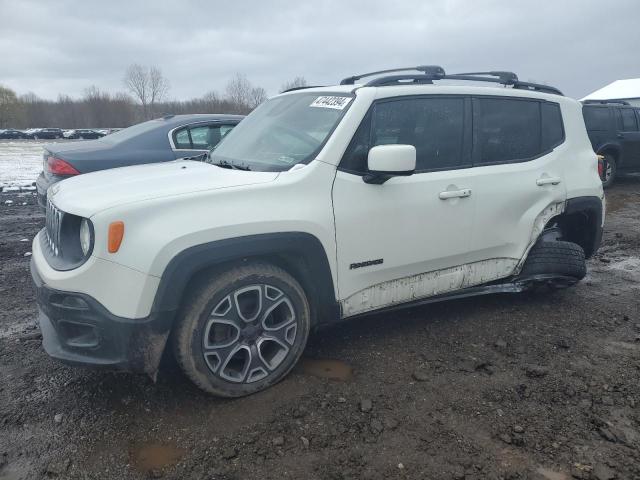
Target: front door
(408,238)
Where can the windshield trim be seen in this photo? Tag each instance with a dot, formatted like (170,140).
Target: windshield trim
(313,155)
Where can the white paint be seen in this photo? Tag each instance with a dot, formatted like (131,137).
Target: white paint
(429,245)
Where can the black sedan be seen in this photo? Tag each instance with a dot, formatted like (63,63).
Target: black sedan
(160,140)
(83,134)
(12,134)
(45,133)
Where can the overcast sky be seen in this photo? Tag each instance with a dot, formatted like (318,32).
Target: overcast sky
(58,46)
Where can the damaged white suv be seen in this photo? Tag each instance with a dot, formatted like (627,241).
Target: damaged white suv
(323,204)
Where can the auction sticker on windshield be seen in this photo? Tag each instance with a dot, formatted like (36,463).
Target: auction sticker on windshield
(329,101)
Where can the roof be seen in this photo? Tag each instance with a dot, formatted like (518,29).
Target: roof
(618,90)
(430,89)
(176,120)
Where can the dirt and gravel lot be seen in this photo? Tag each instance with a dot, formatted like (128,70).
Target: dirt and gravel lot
(532,386)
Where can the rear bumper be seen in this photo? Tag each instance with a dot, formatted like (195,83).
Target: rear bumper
(78,330)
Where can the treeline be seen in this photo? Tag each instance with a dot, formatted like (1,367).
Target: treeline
(101,109)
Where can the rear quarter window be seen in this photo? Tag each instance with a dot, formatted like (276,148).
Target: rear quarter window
(552,127)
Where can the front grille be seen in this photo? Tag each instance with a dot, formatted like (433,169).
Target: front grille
(53,227)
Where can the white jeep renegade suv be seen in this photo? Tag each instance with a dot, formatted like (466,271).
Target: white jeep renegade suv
(323,204)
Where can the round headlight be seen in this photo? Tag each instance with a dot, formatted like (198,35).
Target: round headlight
(85,236)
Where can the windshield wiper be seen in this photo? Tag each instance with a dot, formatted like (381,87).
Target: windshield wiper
(228,164)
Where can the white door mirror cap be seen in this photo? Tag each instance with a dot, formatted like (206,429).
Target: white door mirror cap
(392,159)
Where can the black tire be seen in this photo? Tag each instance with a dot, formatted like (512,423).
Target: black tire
(609,170)
(260,359)
(555,258)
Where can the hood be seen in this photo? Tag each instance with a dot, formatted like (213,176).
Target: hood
(86,195)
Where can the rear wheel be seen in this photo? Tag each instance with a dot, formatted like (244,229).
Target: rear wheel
(242,330)
(609,170)
(555,259)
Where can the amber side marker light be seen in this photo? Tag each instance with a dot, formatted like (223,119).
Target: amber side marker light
(116,232)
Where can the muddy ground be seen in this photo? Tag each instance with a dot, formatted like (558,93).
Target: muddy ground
(530,386)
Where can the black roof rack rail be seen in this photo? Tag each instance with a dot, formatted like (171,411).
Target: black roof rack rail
(434,72)
(429,70)
(605,102)
(293,89)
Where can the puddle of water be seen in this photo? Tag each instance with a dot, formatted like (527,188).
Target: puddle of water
(551,475)
(154,456)
(324,368)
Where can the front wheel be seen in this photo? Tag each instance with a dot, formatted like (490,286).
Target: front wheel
(242,330)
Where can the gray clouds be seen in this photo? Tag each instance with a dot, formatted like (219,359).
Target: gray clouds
(63,46)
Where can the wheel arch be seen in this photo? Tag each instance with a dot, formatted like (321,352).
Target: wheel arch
(299,253)
(581,223)
(612,148)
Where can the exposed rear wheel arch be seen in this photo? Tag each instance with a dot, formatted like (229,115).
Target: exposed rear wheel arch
(580,223)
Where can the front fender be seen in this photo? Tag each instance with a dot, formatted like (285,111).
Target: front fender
(184,266)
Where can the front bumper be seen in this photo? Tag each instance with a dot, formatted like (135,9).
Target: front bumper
(78,330)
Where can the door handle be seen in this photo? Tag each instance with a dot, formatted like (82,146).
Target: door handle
(620,135)
(548,181)
(466,192)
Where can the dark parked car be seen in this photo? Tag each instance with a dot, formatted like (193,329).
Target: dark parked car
(12,134)
(45,133)
(614,131)
(160,140)
(83,133)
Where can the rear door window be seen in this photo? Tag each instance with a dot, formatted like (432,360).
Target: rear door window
(200,137)
(506,130)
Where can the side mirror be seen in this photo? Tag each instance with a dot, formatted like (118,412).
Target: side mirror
(387,161)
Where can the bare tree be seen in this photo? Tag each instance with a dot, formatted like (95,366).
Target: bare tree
(147,85)
(238,91)
(295,83)
(158,86)
(257,96)
(242,95)
(137,82)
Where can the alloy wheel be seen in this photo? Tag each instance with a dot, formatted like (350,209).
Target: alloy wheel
(608,171)
(249,333)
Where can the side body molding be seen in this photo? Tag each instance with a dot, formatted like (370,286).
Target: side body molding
(302,253)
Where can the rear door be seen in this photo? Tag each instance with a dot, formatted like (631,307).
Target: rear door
(629,137)
(408,238)
(518,176)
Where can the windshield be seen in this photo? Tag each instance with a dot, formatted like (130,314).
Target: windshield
(282,132)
